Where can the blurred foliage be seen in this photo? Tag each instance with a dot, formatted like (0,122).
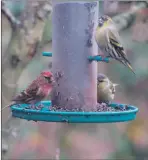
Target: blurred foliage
(137,54)
(47,34)
(15,6)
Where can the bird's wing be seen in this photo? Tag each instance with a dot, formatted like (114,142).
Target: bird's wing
(32,89)
(113,34)
(114,41)
(118,50)
(27,95)
(40,93)
(20,97)
(36,92)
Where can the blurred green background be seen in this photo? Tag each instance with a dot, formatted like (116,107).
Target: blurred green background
(22,62)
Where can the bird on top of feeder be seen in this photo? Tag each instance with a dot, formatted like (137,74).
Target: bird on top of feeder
(105,89)
(39,89)
(108,40)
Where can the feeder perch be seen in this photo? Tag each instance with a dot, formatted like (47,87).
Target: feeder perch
(47,54)
(74,47)
(90,58)
(98,58)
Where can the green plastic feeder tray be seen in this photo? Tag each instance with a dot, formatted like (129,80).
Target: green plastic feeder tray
(22,111)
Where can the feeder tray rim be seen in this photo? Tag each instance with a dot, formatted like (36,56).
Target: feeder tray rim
(76,112)
(47,115)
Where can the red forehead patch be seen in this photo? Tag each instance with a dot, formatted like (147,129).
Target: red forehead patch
(46,73)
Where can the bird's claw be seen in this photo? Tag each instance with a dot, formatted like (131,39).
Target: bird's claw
(18,105)
(39,107)
(32,107)
(59,75)
(28,107)
(117,106)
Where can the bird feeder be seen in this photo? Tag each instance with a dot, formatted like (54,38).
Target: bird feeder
(74,97)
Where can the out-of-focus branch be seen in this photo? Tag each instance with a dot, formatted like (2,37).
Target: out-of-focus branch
(47,33)
(14,22)
(24,45)
(6,32)
(124,20)
(20,52)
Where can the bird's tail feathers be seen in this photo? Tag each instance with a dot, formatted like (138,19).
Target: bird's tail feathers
(16,100)
(130,67)
(22,96)
(127,63)
(7,106)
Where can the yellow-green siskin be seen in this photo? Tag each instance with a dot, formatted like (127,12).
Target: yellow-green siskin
(108,40)
(105,89)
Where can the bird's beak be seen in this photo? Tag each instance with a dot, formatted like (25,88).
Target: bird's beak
(115,84)
(52,80)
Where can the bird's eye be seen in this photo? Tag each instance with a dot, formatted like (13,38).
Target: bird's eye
(100,81)
(100,23)
(47,78)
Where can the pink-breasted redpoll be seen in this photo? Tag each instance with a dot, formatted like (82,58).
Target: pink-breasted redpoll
(39,89)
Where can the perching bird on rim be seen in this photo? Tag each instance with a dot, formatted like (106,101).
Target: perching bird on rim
(108,40)
(39,89)
(105,89)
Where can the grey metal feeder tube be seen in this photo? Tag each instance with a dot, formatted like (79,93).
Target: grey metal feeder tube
(74,24)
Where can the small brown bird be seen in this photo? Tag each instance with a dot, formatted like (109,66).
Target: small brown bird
(105,89)
(36,91)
